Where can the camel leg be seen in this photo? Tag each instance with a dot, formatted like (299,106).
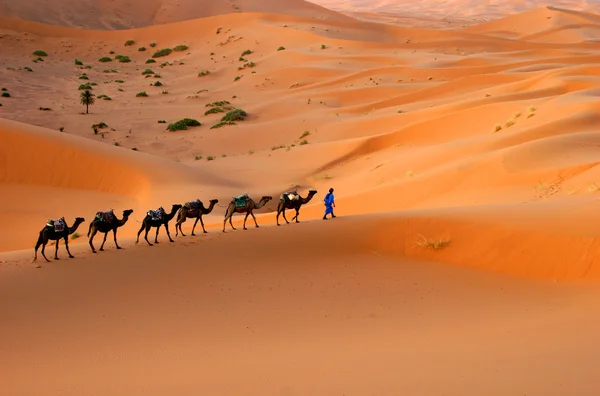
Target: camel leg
(140,231)
(146,234)
(246,217)
(297,214)
(44,249)
(285,218)
(194,226)
(178,227)
(56,249)
(168,233)
(255,223)
(67,246)
(103,241)
(202,223)
(156,236)
(37,246)
(92,234)
(115,237)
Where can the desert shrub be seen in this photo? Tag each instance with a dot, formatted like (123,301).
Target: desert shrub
(5,95)
(123,58)
(119,81)
(105,59)
(129,42)
(164,92)
(99,125)
(183,124)
(302,143)
(203,73)
(210,158)
(235,115)
(84,77)
(107,97)
(323,46)
(247,52)
(157,84)
(237,78)
(78,62)
(141,49)
(180,48)
(304,134)
(150,61)
(39,53)
(85,86)
(162,121)
(214,110)
(221,124)
(28,68)
(147,71)
(218,103)
(45,108)
(153,44)
(281,48)
(162,52)
(141,94)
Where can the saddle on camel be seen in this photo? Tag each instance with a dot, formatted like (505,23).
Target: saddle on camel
(193,205)
(240,200)
(290,196)
(157,214)
(58,225)
(107,217)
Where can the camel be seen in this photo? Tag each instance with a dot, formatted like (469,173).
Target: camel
(156,218)
(193,210)
(104,224)
(293,204)
(56,230)
(248,207)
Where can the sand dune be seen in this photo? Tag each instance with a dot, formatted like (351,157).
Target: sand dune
(465,167)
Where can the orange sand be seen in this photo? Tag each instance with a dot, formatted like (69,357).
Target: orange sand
(464,160)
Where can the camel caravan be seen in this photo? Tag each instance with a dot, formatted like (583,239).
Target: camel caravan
(105,222)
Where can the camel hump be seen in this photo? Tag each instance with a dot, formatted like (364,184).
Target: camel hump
(241,200)
(157,214)
(107,216)
(290,196)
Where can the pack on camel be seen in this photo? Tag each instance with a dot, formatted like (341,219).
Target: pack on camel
(105,222)
(55,230)
(292,200)
(190,210)
(157,218)
(243,204)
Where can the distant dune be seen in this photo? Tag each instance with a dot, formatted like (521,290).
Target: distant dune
(462,145)
(136,14)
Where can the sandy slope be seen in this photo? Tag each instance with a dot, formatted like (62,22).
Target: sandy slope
(475,148)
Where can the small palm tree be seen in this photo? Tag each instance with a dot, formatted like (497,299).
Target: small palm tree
(87,99)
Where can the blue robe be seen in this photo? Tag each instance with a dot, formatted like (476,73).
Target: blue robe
(329,203)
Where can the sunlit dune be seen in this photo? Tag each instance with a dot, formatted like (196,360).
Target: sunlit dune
(463,152)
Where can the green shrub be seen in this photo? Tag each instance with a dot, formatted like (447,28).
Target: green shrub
(157,84)
(105,59)
(247,52)
(217,103)
(183,124)
(235,115)
(147,71)
(119,81)
(152,44)
(180,48)
(150,61)
(203,73)
(141,49)
(84,77)
(123,58)
(141,94)
(78,62)
(281,48)
(39,53)
(222,123)
(162,121)
(5,95)
(214,110)
(28,68)
(85,86)
(100,125)
(129,42)
(162,52)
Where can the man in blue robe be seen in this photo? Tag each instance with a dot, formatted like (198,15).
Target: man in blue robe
(329,204)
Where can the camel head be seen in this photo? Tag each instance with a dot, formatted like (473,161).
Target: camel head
(214,201)
(79,220)
(127,212)
(176,207)
(312,192)
(266,198)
